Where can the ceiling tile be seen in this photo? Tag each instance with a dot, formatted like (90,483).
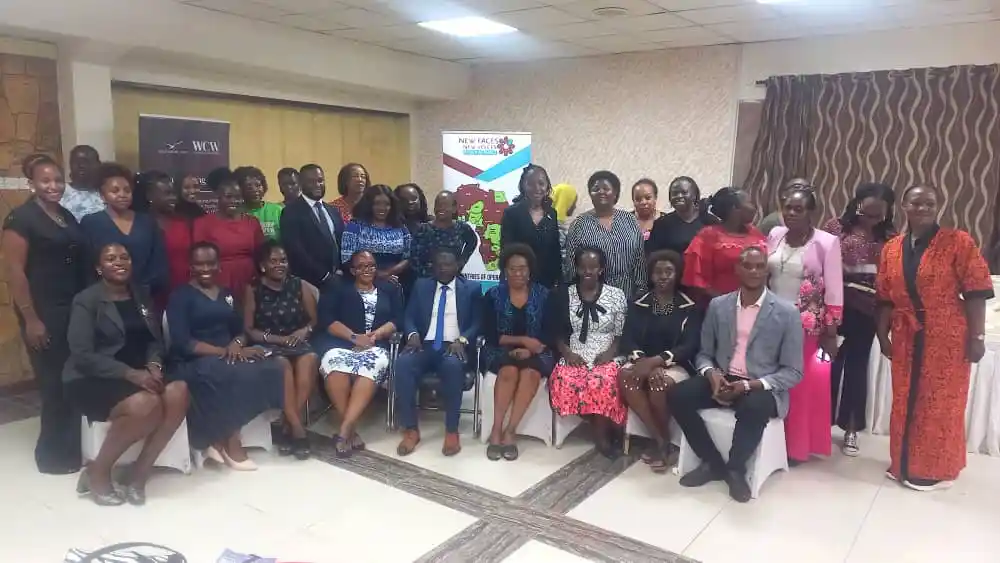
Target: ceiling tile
(574,30)
(245,8)
(305,6)
(362,19)
(750,12)
(486,7)
(422,10)
(647,23)
(676,5)
(684,36)
(310,23)
(767,30)
(536,18)
(386,34)
(585,8)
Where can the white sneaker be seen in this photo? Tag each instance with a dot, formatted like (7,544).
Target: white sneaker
(850,447)
(926,486)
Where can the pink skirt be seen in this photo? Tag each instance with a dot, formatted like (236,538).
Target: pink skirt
(807,426)
(582,391)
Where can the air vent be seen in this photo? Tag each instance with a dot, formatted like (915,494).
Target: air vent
(610,12)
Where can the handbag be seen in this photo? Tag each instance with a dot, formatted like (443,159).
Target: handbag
(130,552)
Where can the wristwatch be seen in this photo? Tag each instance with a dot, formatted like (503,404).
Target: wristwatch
(979,337)
(462,340)
(354,337)
(667,357)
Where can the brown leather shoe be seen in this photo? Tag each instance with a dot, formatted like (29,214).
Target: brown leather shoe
(409,443)
(452,444)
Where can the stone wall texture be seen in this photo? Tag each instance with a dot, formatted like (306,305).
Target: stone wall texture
(29,123)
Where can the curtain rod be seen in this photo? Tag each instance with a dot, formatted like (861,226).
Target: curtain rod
(761,83)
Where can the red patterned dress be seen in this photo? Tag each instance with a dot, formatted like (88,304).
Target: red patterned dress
(923,282)
(710,259)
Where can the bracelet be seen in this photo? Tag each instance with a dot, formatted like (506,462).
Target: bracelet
(746,386)
(156,365)
(267,334)
(238,340)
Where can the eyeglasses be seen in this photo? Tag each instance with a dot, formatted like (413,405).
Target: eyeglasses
(365,267)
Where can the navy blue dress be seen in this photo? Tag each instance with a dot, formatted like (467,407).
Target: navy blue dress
(144,243)
(224,397)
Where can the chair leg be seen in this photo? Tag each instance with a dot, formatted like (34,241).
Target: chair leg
(626,443)
(477,412)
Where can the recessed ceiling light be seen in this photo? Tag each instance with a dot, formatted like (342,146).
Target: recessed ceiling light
(610,12)
(468,27)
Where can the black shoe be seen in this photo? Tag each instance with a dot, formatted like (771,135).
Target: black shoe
(702,475)
(300,448)
(739,489)
(280,438)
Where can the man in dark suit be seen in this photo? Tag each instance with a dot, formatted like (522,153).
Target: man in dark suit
(441,320)
(311,230)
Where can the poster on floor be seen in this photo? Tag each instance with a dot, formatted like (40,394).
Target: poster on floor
(183,146)
(483,169)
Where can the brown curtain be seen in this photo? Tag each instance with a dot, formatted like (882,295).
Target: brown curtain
(938,126)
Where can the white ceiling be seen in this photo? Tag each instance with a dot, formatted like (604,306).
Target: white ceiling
(570,28)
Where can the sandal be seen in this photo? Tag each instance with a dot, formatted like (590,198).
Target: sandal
(510,452)
(357,443)
(300,448)
(657,460)
(494,452)
(343,450)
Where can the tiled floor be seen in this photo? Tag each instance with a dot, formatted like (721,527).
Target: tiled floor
(550,506)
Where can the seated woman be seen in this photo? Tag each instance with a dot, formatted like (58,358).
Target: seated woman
(230,383)
(115,375)
(279,312)
(378,227)
(587,320)
(661,337)
(358,320)
(515,349)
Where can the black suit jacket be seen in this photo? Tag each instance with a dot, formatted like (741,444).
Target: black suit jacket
(312,254)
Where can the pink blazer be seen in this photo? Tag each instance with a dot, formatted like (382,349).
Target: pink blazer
(821,260)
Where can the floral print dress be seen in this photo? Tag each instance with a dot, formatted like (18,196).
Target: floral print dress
(591,328)
(371,363)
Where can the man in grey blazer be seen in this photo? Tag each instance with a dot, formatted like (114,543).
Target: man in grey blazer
(751,355)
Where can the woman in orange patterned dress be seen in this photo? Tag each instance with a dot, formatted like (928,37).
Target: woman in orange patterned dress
(932,288)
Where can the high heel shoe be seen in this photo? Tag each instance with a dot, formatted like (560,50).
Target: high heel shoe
(101,499)
(213,454)
(245,465)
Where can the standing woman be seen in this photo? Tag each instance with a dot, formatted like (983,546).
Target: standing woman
(174,210)
(587,319)
(932,287)
(644,194)
(532,221)
(229,382)
(443,231)
(120,224)
(253,186)
(356,321)
(710,260)
(236,234)
(413,203)
(288,183)
(43,247)
(615,231)
(863,229)
(675,230)
(806,269)
(352,181)
(661,337)
(378,228)
(515,328)
(564,198)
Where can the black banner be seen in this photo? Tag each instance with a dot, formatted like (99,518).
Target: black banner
(183,146)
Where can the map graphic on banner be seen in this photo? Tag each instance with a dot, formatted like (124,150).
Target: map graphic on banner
(184,145)
(483,170)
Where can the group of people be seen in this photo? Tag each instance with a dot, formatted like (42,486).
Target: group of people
(140,309)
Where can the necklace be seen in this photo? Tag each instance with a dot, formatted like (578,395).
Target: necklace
(662,309)
(789,251)
(57,218)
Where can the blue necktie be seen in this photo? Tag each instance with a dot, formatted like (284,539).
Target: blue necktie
(442,303)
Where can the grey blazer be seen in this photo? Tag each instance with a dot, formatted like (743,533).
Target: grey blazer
(774,352)
(96,333)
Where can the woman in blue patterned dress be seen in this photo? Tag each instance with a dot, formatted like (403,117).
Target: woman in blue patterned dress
(516,347)
(357,320)
(443,231)
(378,227)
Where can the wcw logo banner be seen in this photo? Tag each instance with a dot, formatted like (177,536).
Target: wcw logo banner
(183,146)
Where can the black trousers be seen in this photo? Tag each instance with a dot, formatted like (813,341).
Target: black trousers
(58,445)
(851,367)
(753,411)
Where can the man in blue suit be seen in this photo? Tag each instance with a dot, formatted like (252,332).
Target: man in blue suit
(441,322)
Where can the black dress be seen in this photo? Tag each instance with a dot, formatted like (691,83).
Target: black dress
(96,397)
(517,226)
(280,313)
(224,397)
(670,232)
(56,272)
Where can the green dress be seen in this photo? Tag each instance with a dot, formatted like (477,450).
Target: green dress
(269,216)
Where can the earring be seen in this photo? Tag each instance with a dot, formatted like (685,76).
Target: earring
(99,274)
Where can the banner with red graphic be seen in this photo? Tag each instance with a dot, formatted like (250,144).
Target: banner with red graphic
(483,169)
(184,145)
